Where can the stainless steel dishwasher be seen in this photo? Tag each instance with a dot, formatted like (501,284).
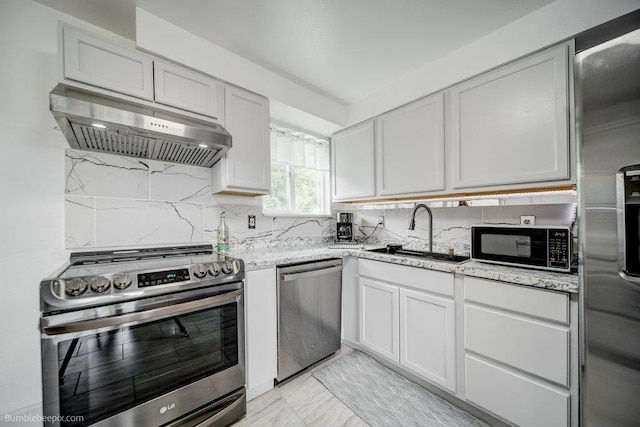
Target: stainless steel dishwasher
(309,314)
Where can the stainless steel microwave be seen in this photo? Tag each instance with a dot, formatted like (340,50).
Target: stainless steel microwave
(540,247)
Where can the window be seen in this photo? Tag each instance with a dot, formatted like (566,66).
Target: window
(299,174)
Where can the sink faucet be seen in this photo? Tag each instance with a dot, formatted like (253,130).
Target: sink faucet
(412,223)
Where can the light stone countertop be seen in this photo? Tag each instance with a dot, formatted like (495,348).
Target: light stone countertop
(265,258)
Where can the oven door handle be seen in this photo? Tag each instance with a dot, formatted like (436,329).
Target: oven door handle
(141,316)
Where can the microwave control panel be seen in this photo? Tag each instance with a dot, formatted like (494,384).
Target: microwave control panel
(559,248)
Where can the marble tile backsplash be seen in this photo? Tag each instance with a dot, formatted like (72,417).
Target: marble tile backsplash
(451,225)
(121,201)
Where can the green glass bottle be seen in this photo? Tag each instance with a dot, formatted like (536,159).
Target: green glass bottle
(223,235)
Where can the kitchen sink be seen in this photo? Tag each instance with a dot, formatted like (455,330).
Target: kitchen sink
(393,250)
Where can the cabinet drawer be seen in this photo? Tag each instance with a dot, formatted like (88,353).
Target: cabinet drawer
(534,302)
(425,280)
(517,398)
(97,62)
(532,346)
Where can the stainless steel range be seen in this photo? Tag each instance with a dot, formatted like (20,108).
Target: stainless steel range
(145,336)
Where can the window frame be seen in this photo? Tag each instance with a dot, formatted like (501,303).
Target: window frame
(324,184)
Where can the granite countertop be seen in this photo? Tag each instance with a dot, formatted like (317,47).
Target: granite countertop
(264,258)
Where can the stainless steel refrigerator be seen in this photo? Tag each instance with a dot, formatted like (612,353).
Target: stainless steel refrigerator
(607,83)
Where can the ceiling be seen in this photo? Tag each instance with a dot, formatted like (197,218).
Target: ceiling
(345,50)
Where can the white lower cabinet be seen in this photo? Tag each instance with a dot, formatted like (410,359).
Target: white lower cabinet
(379,318)
(261,331)
(518,358)
(407,315)
(427,331)
(515,397)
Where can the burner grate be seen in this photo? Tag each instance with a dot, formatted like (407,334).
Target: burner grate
(127,255)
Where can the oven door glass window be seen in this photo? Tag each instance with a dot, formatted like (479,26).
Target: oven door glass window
(106,373)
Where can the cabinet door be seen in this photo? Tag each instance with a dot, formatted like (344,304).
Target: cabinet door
(379,318)
(352,163)
(261,327)
(246,168)
(186,89)
(98,62)
(427,337)
(410,148)
(510,126)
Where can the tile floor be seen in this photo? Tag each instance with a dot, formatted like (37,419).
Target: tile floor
(286,405)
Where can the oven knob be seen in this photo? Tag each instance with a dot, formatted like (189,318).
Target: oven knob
(199,271)
(214,269)
(100,284)
(76,287)
(227,267)
(122,281)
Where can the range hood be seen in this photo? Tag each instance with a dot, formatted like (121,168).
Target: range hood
(96,122)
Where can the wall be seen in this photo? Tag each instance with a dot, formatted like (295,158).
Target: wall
(294,104)
(114,201)
(560,20)
(451,225)
(32,188)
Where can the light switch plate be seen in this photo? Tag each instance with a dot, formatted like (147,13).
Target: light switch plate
(527,219)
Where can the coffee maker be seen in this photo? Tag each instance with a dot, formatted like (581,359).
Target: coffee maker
(344,227)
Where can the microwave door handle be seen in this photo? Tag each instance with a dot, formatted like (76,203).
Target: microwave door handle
(142,316)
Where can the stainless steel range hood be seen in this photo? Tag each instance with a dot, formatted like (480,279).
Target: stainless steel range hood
(96,122)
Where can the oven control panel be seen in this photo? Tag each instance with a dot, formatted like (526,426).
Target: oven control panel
(163,277)
(123,283)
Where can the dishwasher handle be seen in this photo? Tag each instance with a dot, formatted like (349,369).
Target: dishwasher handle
(310,273)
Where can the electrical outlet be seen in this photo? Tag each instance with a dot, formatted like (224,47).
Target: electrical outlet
(381,220)
(527,219)
(252,221)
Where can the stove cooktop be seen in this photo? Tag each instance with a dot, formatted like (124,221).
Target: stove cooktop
(116,275)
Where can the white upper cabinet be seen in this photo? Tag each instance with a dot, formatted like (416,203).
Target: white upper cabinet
(511,125)
(352,163)
(115,66)
(179,87)
(246,168)
(95,61)
(410,148)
